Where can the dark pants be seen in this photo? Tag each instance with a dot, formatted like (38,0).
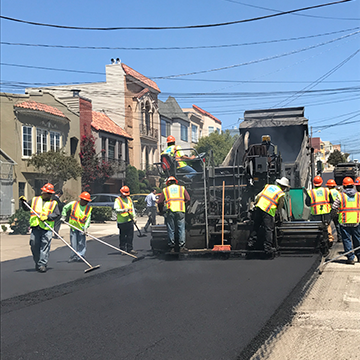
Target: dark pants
(40,241)
(126,235)
(57,224)
(262,218)
(151,212)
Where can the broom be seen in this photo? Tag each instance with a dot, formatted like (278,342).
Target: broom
(222,247)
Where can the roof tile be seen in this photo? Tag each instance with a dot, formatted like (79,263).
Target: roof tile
(129,71)
(100,121)
(207,114)
(32,105)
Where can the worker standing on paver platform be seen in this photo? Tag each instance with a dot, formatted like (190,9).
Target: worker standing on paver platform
(347,206)
(175,198)
(267,203)
(126,219)
(79,217)
(41,235)
(331,185)
(320,200)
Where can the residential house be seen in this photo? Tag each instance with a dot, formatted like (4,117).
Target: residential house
(130,100)
(202,123)
(111,141)
(173,121)
(33,123)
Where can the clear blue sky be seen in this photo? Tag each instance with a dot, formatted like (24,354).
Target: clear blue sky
(308,58)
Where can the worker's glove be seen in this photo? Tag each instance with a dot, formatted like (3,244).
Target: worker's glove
(22,198)
(43,217)
(121,210)
(62,219)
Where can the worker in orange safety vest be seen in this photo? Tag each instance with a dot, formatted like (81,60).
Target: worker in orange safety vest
(79,213)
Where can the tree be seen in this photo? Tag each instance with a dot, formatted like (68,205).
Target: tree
(56,166)
(132,179)
(95,170)
(220,144)
(336,157)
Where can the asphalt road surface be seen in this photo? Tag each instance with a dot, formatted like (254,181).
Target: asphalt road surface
(149,309)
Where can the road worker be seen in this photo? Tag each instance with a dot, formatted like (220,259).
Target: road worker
(174,197)
(181,165)
(331,185)
(320,200)
(357,184)
(347,207)
(126,218)
(79,213)
(44,210)
(267,203)
(58,194)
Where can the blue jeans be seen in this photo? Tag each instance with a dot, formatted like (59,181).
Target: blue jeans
(188,170)
(78,243)
(40,241)
(349,233)
(175,224)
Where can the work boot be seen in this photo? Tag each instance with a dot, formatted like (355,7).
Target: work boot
(42,268)
(183,249)
(133,252)
(350,261)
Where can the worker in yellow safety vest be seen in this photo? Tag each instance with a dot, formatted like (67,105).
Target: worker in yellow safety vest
(174,197)
(176,151)
(334,192)
(79,213)
(320,199)
(347,208)
(44,212)
(126,219)
(267,203)
(357,184)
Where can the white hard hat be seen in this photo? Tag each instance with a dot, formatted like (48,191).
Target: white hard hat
(283,181)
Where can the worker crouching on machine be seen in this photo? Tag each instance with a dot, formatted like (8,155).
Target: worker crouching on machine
(268,202)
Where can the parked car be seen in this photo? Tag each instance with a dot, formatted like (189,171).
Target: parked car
(105,200)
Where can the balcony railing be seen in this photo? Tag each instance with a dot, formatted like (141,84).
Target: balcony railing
(118,164)
(149,132)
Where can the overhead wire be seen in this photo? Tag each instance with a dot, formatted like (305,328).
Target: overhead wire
(200,26)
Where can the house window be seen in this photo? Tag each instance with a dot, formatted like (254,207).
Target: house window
(54,141)
(184,133)
(194,133)
(163,128)
(41,141)
(27,141)
(211,129)
(112,144)
(218,130)
(103,148)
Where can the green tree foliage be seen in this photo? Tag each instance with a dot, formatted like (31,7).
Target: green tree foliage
(220,144)
(132,179)
(95,170)
(55,166)
(19,222)
(336,157)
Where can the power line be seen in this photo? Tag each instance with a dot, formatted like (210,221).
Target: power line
(171,27)
(174,47)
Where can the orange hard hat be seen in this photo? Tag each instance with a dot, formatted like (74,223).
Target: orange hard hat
(317,181)
(357,181)
(348,181)
(48,188)
(85,196)
(125,191)
(171,178)
(170,139)
(331,182)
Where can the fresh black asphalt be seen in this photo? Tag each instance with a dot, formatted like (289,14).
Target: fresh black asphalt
(150,309)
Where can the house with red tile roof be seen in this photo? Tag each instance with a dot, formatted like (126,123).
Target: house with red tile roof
(34,123)
(130,99)
(202,123)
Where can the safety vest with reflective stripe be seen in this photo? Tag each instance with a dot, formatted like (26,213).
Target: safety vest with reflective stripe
(124,203)
(334,193)
(79,214)
(175,198)
(269,199)
(320,201)
(171,151)
(349,209)
(41,207)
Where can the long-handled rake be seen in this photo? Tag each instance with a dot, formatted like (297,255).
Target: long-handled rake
(321,266)
(136,258)
(81,257)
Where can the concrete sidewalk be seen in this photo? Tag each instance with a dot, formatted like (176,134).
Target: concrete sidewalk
(17,246)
